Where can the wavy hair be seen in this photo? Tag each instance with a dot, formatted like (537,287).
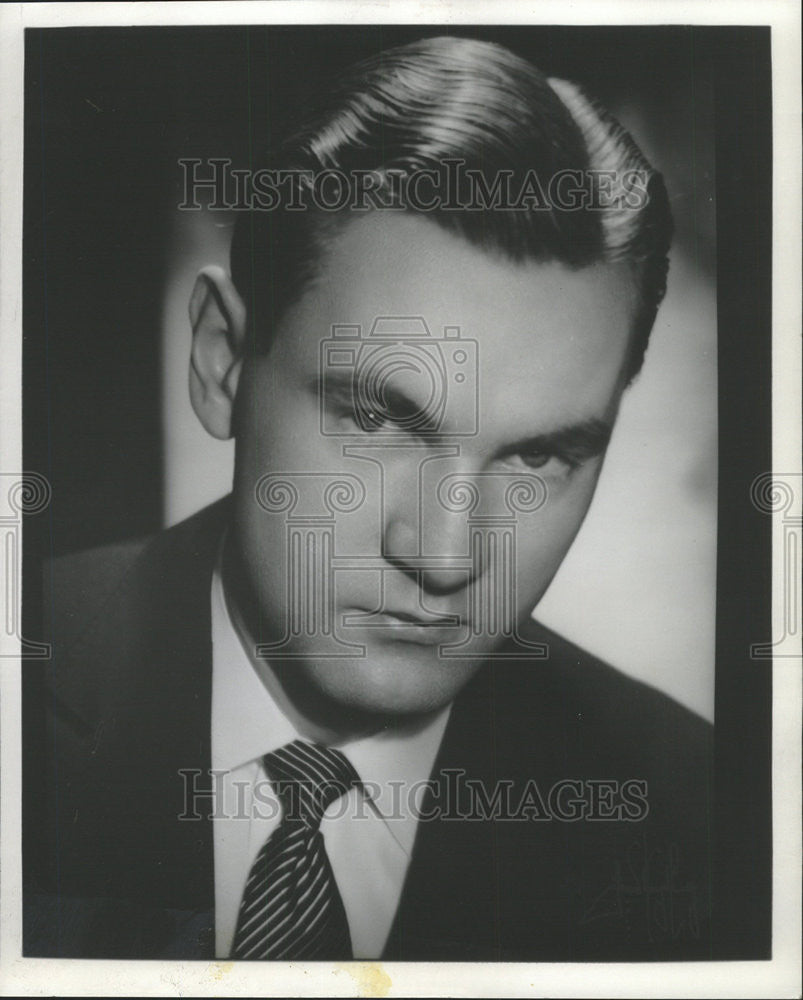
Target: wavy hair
(421,105)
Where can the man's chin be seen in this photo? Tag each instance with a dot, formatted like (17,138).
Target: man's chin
(386,686)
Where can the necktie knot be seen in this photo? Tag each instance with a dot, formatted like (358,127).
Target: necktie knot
(308,778)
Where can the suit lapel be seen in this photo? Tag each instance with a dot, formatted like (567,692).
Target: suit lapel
(479,888)
(139,744)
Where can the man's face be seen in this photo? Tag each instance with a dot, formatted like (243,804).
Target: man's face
(368,591)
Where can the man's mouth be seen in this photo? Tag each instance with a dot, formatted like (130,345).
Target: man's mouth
(402,625)
(417,619)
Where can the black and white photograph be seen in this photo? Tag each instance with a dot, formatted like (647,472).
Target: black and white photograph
(400,569)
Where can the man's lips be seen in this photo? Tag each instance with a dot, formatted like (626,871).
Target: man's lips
(403,625)
(412,618)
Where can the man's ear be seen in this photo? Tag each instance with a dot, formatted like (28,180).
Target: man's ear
(218,319)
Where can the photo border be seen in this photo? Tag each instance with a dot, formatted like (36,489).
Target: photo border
(766,693)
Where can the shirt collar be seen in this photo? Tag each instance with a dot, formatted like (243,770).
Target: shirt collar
(246,721)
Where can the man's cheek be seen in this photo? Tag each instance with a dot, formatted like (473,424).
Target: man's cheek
(537,564)
(541,545)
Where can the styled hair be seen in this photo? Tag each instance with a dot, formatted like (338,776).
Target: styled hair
(428,105)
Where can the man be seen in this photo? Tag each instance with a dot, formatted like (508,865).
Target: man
(316,721)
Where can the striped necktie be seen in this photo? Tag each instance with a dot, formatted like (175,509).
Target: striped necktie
(291,908)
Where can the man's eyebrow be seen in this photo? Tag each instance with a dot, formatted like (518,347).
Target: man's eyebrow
(583,439)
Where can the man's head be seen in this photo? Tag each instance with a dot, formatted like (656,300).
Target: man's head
(536,301)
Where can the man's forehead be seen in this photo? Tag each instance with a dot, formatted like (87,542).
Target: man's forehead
(545,334)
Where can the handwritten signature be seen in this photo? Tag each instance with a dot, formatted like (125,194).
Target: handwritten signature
(646,885)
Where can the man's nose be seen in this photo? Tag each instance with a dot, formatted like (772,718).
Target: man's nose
(425,538)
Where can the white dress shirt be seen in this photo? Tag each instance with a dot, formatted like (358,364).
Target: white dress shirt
(369,833)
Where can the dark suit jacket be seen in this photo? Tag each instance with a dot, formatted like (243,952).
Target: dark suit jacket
(124,706)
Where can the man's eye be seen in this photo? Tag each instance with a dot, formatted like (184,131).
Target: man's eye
(401,416)
(535,460)
(370,420)
(544,462)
